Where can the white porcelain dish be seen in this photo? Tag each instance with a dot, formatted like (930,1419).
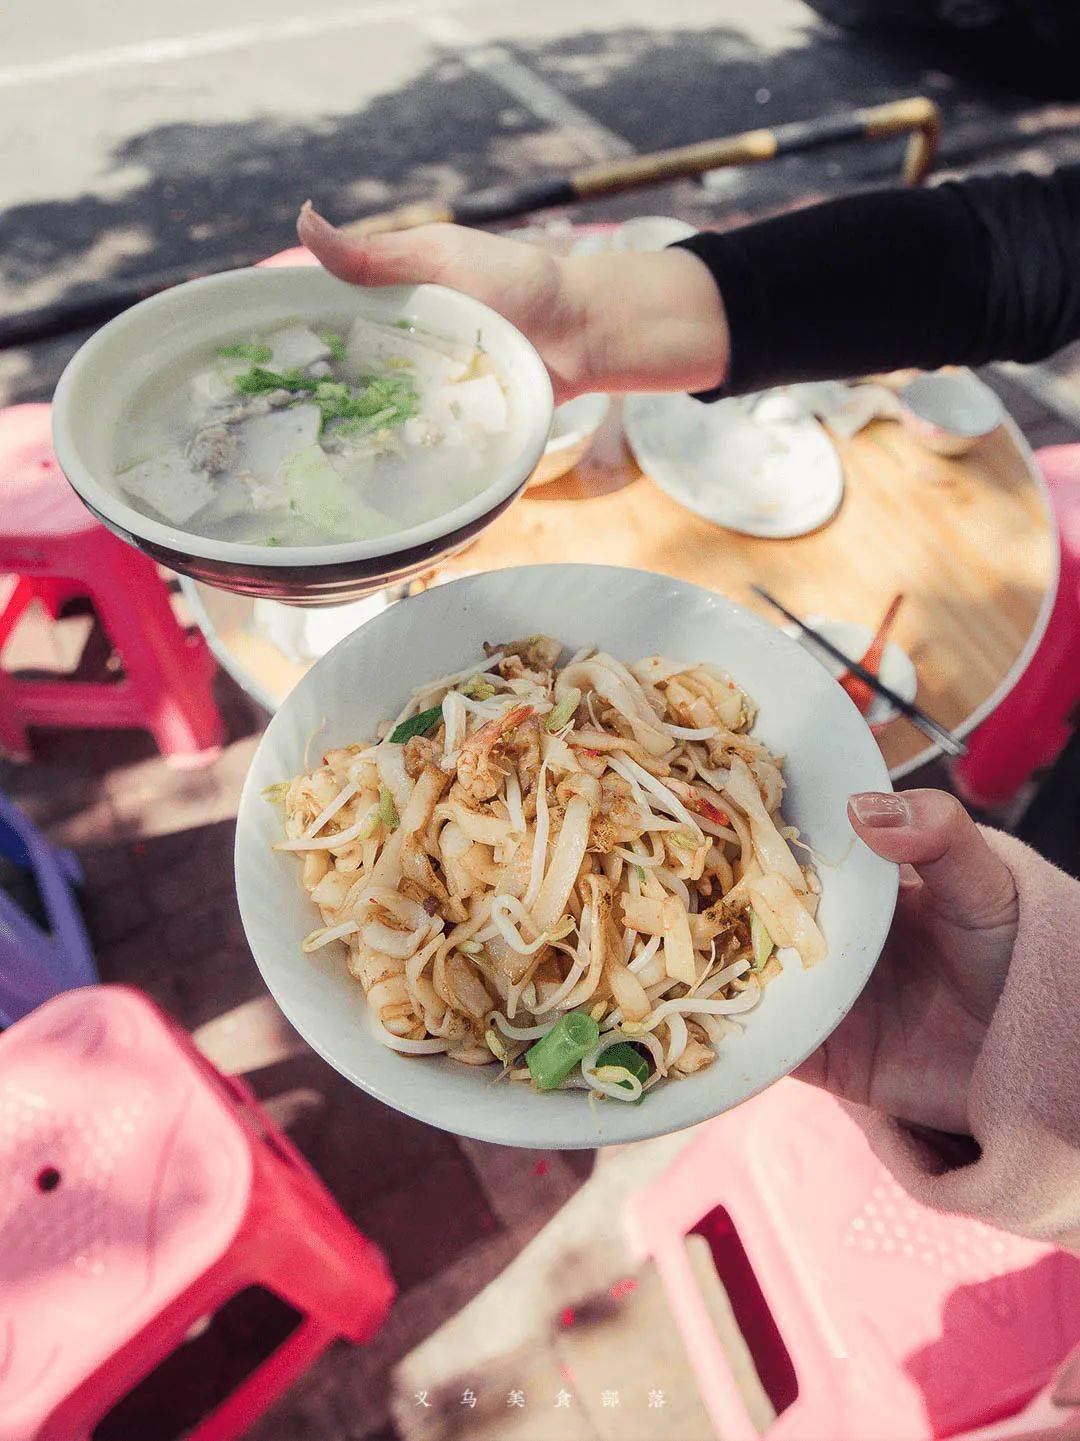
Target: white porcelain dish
(640,233)
(774,475)
(573,430)
(897,669)
(98,385)
(949,411)
(828,751)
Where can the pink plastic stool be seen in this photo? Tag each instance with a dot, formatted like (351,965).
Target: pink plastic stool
(868,1315)
(1033,723)
(139,1191)
(55,549)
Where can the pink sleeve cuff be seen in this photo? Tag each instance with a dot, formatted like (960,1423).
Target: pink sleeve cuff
(1023,1174)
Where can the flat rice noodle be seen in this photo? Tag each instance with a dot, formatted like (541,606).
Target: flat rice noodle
(394,776)
(678,947)
(654,669)
(466,987)
(489,830)
(644,914)
(415,817)
(605,945)
(557,755)
(624,693)
(786,919)
(769,845)
(605,742)
(739,895)
(479,863)
(713,922)
(627,991)
(418,867)
(514,880)
(332,891)
(726,696)
(566,858)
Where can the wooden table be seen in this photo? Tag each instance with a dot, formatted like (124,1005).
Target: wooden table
(969,541)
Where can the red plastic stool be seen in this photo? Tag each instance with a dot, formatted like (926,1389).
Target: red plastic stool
(139,1191)
(1031,726)
(55,549)
(868,1315)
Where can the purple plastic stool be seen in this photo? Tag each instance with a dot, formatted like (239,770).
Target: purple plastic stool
(35,964)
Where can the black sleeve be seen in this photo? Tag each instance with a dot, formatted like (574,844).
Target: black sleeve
(965,272)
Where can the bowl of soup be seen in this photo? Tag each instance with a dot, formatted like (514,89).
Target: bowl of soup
(279,433)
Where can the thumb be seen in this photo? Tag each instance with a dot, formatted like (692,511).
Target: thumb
(391,258)
(931,831)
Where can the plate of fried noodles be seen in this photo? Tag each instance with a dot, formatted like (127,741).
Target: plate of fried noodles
(558,856)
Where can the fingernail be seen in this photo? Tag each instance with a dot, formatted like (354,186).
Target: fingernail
(880,810)
(309,215)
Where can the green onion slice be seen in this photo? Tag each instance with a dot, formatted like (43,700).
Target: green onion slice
(563,710)
(551,1059)
(760,940)
(387,810)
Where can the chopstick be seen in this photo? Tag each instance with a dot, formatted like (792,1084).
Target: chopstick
(917,117)
(929,727)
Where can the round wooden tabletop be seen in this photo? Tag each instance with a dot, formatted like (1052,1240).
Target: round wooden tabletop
(968,541)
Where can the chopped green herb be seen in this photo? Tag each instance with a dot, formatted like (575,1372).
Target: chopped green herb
(387,810)
(417,725)
(626,1057)
(480,342)
(564,710)
(275,793)
(272,540)
(403,324)
(335,342)
(478,689)
(398,362)
(245,350)
(455,410)
(259,380)
(760,940)
(640,873)
(684,841)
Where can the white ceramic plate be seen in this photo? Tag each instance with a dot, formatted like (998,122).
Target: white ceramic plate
(804,715)
(772,477)
(897,669)
(572,433)
(642,233)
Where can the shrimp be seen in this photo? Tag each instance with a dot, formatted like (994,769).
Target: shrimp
(476,769)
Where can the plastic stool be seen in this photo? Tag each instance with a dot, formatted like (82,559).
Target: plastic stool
(897,1321)
(139,1191)
(56,549)
(1031,726)
(35,965)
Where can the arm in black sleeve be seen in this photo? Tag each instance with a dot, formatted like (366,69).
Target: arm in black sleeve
(963,273)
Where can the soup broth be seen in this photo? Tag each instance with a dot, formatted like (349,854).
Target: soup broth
(315,434)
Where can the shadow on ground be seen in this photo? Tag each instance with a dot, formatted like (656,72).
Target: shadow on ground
(224,194)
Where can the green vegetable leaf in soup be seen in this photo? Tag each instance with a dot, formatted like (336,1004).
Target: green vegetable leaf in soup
(417,725)
(245,350)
